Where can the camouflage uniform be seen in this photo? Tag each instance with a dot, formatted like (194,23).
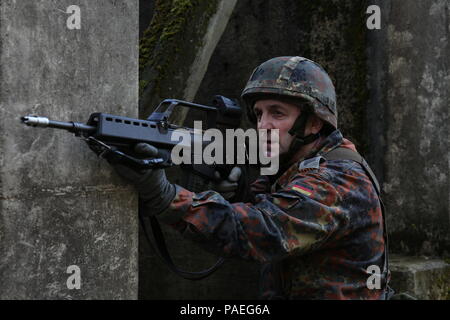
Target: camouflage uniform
(316,228)
(321,220)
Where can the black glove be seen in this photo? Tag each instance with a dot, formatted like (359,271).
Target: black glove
(152,185)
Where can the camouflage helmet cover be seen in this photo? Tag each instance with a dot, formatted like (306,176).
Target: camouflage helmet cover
(294,77)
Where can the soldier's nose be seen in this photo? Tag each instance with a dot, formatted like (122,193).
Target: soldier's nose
(264,123)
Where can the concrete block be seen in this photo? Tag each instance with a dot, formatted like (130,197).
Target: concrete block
(422,278)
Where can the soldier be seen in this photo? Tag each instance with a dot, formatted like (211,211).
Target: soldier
(317,225)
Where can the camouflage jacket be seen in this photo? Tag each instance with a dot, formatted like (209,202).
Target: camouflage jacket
(315,230)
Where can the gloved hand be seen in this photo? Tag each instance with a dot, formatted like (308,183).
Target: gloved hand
(227,187)
(152,185)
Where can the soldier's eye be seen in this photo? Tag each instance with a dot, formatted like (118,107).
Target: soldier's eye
(277,113)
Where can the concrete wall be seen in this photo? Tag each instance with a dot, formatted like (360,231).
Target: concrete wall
(410,122)
(60,205)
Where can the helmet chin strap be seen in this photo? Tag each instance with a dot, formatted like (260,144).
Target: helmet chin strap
(300,140)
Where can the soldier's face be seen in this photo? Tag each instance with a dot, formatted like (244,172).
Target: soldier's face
(274,114)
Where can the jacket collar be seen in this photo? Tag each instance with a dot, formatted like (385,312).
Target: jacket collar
(331,142)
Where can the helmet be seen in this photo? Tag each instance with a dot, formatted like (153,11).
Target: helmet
(294,78)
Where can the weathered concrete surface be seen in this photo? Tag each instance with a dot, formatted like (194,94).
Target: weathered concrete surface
(421,278)
(60,205)
(176,48)
(214,31)
(409,111)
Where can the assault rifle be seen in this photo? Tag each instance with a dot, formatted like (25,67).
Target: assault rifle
(116,137)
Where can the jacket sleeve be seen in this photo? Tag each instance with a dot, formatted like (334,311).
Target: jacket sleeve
(295,220)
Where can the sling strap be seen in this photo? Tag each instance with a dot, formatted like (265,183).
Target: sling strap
(156,240)
(347,154)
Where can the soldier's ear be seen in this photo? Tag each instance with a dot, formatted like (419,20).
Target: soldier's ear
(315,124)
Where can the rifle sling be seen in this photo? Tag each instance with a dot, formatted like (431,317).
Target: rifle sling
(158,244)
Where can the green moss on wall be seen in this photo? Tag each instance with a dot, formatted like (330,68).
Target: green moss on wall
(151,36)
(169,45)
(441,287)
(142,85)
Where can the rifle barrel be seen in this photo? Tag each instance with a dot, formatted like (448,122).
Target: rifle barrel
(36,121)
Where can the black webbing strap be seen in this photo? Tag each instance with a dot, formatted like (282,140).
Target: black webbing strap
(347,154)
(158,244)
(298,132)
